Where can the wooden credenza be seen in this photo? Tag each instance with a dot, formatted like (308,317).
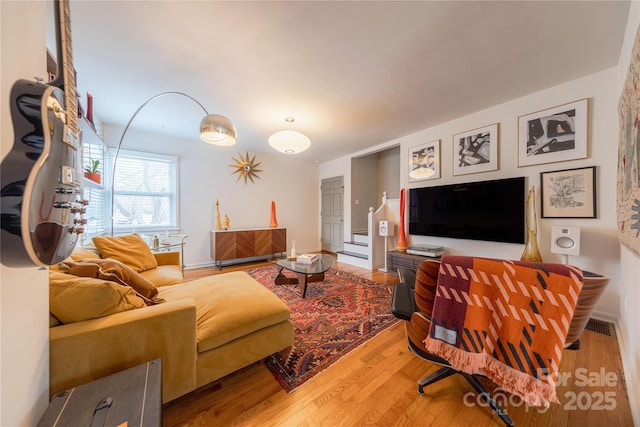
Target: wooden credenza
(229,245)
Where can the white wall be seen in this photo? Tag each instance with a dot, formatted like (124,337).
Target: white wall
(600,249)
(24,292)
(629,321)
(205,175)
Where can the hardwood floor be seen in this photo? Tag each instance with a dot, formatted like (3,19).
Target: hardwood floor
(376,384)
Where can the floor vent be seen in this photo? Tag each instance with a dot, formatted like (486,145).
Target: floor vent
(601,327)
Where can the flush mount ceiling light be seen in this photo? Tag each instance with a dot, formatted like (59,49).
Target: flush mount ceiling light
(289,141)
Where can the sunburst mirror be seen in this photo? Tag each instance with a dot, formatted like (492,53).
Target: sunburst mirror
(245,167)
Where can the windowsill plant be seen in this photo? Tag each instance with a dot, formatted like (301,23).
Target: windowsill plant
(92,171)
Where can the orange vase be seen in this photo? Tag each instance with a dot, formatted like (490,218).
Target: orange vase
(274,221)
(401,242)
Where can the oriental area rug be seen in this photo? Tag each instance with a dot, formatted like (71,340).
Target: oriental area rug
(336,316)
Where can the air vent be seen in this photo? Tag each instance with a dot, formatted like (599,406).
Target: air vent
(601,327)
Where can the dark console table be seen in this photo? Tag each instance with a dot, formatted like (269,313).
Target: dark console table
(397,259)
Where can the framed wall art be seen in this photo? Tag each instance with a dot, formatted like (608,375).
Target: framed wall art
(557,134)
(424,161)
(476,150)
(569,193)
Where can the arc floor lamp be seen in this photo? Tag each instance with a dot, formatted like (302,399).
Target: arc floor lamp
(214,129)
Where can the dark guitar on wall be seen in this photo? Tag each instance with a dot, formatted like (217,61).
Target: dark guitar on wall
(41,187)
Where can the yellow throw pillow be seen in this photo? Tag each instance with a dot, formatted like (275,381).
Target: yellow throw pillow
(130,250)
(114,271)
(53,321)
(84,252)
(74,299)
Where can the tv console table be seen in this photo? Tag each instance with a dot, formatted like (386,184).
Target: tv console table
(230,245)
(397,259)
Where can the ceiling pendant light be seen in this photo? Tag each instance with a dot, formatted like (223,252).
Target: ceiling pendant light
(289,141)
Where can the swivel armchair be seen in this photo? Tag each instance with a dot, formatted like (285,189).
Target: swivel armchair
(412,301)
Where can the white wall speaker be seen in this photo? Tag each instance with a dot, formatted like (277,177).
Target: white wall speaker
(385,228)
(565,240)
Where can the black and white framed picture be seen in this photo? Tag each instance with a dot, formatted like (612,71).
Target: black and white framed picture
(476,150)
(569,193)
(424,161)
(557,134)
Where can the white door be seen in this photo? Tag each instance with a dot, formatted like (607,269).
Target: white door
(332,214)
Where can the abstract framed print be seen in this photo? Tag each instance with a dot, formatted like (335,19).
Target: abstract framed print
(424,161)
(476,150)
(556,134)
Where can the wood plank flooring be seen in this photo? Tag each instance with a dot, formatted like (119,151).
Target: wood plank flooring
(376,384)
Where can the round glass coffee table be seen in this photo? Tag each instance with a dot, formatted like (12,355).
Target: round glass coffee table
(305,273)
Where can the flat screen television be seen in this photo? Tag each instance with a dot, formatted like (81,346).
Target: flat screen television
(487,210)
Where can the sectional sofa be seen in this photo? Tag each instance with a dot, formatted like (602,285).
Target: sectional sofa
(105,319)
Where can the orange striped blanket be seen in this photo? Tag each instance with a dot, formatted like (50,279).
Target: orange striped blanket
(506,320)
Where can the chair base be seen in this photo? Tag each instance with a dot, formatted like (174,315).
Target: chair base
(484,393)
(440,374)
(574,345)
(447,371)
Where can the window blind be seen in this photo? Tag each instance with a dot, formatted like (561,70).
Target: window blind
(145,191)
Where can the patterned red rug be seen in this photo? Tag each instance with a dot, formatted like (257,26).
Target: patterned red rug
(336,316)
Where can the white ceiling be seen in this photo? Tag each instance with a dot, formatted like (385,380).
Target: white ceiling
(352,74)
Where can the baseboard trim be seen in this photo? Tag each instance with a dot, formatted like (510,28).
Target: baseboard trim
(199,265)
(631,374)
(239,260)
(607,317)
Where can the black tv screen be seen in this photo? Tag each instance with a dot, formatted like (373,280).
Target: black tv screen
(486,210)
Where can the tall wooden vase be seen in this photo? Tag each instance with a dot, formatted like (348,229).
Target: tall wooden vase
(401,242)
(531,252)
(274,222)
(217,225)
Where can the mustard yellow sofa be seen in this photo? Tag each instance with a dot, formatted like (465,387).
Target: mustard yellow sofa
(202,330)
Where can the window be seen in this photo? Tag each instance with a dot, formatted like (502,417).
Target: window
(145,192)
(95,193)
(95,212)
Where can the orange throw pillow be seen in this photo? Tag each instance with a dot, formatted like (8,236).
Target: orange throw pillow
(130,250)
